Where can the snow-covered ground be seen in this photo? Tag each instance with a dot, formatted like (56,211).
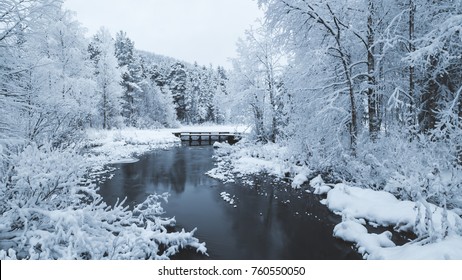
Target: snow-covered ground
(122,145)
(439,230)
(359,206)
(125,145)
(55,212)
(232,161)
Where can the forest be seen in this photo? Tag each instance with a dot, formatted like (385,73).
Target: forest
(360,91)
(367,90)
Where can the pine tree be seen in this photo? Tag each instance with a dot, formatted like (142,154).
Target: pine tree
(178,84)
(129,62)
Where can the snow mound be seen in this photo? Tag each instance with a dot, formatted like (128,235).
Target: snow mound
(355,232)
(448,249)
(119,146)
(319,186)
(378,206)
(382,208)
(299,180)
(380,246)
(250,165)
(227,197)
(316,181)
(245,159)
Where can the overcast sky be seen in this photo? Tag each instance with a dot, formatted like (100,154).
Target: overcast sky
(192,30)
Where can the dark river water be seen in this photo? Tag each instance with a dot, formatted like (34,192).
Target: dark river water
(270,220)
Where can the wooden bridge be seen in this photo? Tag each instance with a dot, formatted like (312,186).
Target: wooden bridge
(208,137)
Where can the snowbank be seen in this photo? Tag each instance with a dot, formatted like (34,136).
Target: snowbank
(375,206)
(357,205)
(384,209)
(318,185)
(115,146)
(439,230)
(250,165)
(241,160)
(122,145)
(380,246)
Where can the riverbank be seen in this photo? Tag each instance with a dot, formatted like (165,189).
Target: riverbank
(235,222)
(438,230)
(55,211)
(123,145)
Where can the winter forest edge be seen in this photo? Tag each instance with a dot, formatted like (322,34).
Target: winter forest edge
(362,94)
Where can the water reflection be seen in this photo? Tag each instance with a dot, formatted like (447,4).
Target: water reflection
(271,221)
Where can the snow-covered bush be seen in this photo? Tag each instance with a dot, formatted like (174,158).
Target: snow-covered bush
(423,170)
(50,211)
(409,169)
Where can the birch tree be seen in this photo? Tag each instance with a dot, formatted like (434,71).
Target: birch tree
(108,78)
(259,69)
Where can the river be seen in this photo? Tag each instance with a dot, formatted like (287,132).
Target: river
(269,220)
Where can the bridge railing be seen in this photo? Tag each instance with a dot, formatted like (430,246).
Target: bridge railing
(201,136)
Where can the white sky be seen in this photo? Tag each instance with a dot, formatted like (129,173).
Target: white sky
(205,31)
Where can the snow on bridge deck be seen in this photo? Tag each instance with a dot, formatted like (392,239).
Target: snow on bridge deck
(213,128)
(207,134)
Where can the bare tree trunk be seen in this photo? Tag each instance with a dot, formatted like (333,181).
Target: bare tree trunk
(351,93)
(105,126)
(429,100)
(353,124)
(349,80)
(412,9)
(459,147)
(273,133)
(372,100)
(333,27)
(258,116)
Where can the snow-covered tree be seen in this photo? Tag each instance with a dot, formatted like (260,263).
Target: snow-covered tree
(157,108)
(131,67)
(258,70)
(17,18)
(366,76)
(207,90)
(53,76)
(337,24)
(221,96)
(108,79)
(178,83)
